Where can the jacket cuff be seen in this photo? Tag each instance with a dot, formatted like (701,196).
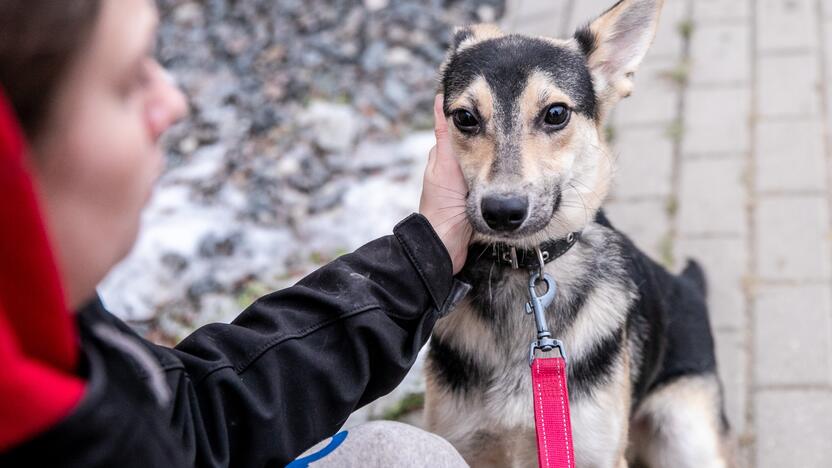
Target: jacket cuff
(428,255)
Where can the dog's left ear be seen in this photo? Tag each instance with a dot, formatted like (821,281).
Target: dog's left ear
(615,44)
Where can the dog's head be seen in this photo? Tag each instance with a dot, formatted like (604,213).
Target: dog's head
(526,120)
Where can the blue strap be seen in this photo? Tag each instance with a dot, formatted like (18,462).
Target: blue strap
(334,443)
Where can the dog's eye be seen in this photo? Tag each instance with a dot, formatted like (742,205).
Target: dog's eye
(557,115)
(465,121)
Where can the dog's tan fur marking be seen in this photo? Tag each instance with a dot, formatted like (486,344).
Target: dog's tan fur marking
(678,425)
(476,155)
(543,153)
(479,33)
(490,423)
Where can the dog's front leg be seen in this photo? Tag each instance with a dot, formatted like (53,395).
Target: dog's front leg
(600,422)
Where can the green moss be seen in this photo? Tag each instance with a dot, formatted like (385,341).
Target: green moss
(409,403)
(686,29)
(666,251)
(679,75)
(250,292)
(675,131)
(610,134)
(671,206)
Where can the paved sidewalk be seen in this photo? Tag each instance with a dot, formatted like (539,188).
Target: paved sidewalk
(724,156)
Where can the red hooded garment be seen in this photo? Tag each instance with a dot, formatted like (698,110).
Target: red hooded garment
(38,347)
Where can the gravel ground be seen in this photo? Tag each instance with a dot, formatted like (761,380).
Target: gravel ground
(306,117)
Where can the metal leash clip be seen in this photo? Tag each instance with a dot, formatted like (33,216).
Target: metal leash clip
(537,305)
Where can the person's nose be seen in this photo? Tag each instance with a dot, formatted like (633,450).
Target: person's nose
(168,104)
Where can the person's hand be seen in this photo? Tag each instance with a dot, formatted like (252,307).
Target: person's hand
(444,192)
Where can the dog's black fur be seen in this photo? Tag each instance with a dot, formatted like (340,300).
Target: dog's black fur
(669,320)
(641,365)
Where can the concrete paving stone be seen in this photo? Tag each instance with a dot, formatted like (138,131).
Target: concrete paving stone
(827,49)
(508,19)
(712,197)
(790,156)
(536,17)
(668,41)
(644,162)
(793,335)
(547,25)
(654,99)
(792,237)
(732,364)
(788,86)
(720,10)
(786,25)
(584,11)
(720,53)
(646,222)
(793,428)
(716,120)
(725,261)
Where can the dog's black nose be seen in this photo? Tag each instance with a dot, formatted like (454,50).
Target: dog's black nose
(504,213)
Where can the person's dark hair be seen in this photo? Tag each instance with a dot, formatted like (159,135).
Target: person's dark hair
(38,41)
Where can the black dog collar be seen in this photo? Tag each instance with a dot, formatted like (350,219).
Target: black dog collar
(507,255)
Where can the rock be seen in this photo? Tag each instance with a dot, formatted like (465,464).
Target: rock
(215,245)
(265,118)
(189,15)
(399,56)
(334,126)
(374,55)
(486,13)
(177,263)
(296,109)
(396,93)
(375,5)
(373,156)
(201,287)
(327,198)
(313,174)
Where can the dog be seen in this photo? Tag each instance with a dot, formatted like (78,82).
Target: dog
(526,115)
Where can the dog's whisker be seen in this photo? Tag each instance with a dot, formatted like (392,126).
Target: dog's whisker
(490,290)
(452,218)
(451,207)
(449,197)
(586,209)
(446,188)
(489,246)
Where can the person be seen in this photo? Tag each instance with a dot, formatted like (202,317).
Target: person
(82,106)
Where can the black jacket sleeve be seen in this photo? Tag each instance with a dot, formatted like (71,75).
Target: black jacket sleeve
(259,391)
(293,366)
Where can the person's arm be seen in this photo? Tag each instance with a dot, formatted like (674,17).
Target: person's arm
(285,374)
(294,365)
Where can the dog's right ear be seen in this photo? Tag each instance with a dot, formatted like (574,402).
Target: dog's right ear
(461,34)
(466,36)
(615,44)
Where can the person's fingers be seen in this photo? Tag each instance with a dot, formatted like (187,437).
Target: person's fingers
(440,127)
(431,161)
(432,155)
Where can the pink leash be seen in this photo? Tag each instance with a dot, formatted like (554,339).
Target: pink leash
(551,394)
(551,413)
